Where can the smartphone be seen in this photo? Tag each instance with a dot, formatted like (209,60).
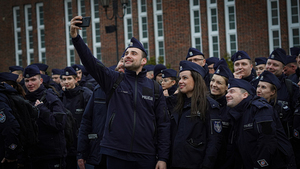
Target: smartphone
(85,22)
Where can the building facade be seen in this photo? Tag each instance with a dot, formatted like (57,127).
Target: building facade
(38,30)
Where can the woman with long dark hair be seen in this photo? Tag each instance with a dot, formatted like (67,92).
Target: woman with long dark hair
(195,124)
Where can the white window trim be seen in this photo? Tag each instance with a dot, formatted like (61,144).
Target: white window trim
(141,15)
(157,38)
(39,28)
(291,25)
(127,16)
(16,31)
(193,34)
(67,24)
(94,21)
(210,32)
(28,28)
(230,32)
(271,27)
(80,14)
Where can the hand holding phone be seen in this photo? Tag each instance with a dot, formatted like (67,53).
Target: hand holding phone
(85,22)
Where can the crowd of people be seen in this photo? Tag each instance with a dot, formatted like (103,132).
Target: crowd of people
(138,116)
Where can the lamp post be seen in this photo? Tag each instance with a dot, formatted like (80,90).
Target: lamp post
(105,4)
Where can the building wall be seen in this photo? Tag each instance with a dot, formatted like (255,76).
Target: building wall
(251,26)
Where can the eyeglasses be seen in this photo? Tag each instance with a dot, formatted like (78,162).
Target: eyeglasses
(194,60)
(165,80)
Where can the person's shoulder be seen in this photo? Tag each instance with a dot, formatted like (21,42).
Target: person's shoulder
(260,103)
(212,103)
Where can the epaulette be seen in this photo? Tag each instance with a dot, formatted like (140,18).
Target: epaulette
(260,102)
(213,103)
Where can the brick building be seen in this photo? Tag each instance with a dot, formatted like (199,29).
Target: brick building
(38,30)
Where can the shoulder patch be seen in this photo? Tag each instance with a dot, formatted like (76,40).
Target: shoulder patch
(2,117)
(12,146)
(218,126)
(263,163)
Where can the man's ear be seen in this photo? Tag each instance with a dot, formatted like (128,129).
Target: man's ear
(245,95)
(144,61)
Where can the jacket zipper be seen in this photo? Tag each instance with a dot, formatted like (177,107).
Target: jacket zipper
(134,113)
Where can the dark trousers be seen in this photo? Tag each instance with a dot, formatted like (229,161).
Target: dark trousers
(57,163)
(102,164)
(115,163)
(71,162)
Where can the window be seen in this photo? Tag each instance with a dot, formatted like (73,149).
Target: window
(69,46)
(96,29)
(128,29)
(195,24)
(158,30)
(41,33)
(81,12)
(274,25)
(17,33)
(213,33)
(231,35)
(293,22)
(29,34)
(143,24)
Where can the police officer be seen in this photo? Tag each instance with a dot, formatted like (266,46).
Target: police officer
(169,81)
(137,127)
(56,75)
(242,66)
(9,131)
(157,72)
(210,64)
(290,68)
(260,65)
(75,99)
(218,90)
(195,123)
(150,71)
(194,55)
(51,148)
(253,126)
(18,70)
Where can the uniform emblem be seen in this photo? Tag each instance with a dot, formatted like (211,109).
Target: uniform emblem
(218,71)
(272,56)
(296,110)
(27,75)
(77,69)
(180,68)
(191,53)
(228,85)
(131,44)
(163,75)
(262,163)
(67,73)
(161,71)
(285,107)
(12,146)
(218,126)
(255,63)
(239,57)
(262,78)
(2,117)
(296,133)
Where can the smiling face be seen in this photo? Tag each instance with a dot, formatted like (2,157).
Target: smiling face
(243,66)
(186,83)
(275,67)
(133,59)
(70,81)
(33,83)
(264,89)
(218,86)
(234,96)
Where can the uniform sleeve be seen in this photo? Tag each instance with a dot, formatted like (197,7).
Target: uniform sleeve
(97,69)
(214,137)
(52,113)
(163,127)
(10,129)
(266,141)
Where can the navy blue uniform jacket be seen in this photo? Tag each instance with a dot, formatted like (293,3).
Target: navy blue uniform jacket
(135,123)
(51,122)
(195,142)
(254,132)
(93,122)
(9,126)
